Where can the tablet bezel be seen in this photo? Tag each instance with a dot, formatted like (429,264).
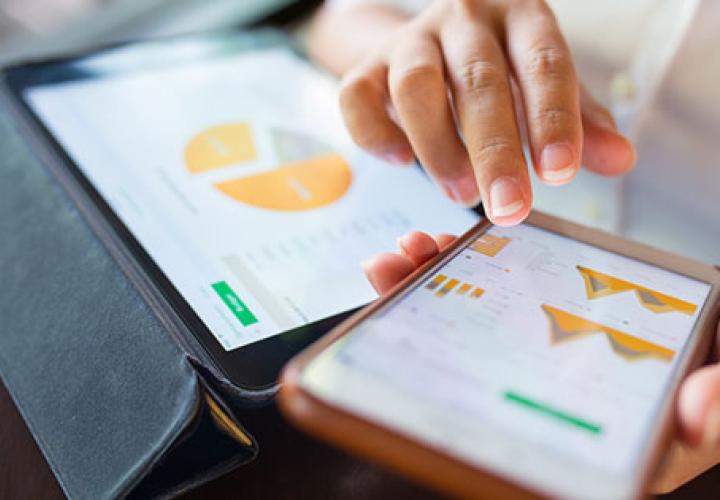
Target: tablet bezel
(253,367)
(448,474)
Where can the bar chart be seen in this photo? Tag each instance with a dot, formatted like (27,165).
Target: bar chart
(450,284)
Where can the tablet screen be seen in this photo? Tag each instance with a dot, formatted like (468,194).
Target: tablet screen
(237,177)
(524,337)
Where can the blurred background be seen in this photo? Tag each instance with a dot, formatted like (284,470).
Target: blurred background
(37,27)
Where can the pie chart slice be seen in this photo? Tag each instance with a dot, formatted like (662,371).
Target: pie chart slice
(292,146)
(221,146)
(297,186)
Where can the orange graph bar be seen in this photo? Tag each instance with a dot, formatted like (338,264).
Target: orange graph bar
(435,282)
(567,327)
(447,287)
(489,245)
(450,285)
(598,285)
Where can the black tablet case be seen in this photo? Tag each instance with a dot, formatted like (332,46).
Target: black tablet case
(112,399)
(120,397)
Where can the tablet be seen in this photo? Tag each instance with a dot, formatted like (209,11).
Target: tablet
(541,358)
(222,164)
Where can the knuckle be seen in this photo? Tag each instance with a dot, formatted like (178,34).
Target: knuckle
(555,116)
(539,9)
(369,134)
(356,89)
(478,76)
(480,7)
(536,5)
(545,60)
(466,5)
(416,78)
(369,138)
(493,148)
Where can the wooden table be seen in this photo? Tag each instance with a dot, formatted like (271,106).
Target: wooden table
(290,465)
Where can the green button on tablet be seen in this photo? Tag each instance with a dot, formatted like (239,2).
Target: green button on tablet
(238,308)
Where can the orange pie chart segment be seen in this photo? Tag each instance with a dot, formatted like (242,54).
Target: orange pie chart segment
(221,146)
(302,185)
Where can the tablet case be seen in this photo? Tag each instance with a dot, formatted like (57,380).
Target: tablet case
(120,397)
(112,400)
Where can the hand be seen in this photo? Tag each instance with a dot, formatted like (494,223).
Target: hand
(502,69)
(697,446)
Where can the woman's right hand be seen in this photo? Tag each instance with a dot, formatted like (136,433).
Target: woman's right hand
(458,85)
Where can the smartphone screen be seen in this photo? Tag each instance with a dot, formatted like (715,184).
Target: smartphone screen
(539,357)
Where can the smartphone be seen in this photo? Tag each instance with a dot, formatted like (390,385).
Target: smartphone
(537,360)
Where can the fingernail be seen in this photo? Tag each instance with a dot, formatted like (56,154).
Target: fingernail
(464,190)
(711,435)
(398,155)
(448,192)
(402,241)
(365,264)
(506,197)
(557,163)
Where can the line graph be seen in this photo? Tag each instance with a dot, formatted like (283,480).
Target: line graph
(566,327)
(599,285)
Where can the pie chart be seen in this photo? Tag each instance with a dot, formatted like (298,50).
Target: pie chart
(303,173)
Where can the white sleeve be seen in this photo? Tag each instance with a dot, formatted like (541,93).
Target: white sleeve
(409,6)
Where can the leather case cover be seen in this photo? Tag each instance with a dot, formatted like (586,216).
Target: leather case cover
(118,404)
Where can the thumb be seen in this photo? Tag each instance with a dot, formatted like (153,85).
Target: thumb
(699,407)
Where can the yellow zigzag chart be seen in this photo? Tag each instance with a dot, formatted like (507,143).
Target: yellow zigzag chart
(599,285)
(566,327)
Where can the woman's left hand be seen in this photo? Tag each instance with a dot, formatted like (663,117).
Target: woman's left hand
(697,446)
